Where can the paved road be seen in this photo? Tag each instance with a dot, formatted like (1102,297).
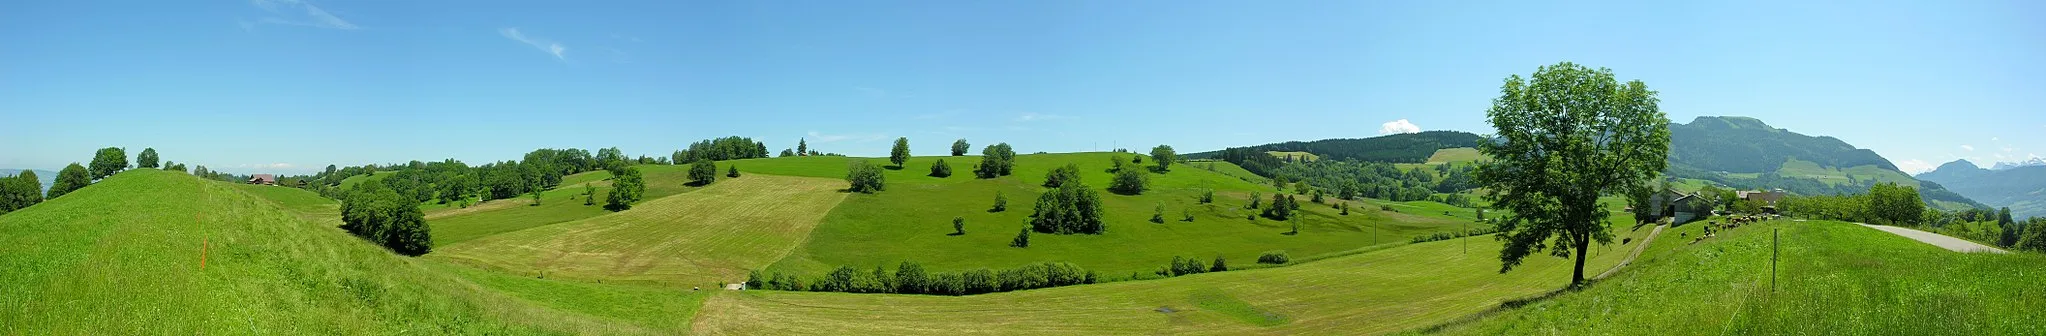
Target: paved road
(1637,252)
(1950,243)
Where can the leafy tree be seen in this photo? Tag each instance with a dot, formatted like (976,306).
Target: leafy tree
(995,160)
(536,196)
(1894,204)
(787,153)
(900,153)
(147,159)
(108,161)
(1281,209)
(1115,164)
(1346,211)
(2034,236)
(589,194)
(1564,138)
(732,171)
(610,158)
(1072,208)
(382,216)
(803,147)
(1273,257)
(941,169)
(627,187)
(864,177)
(1207,196)
(959,147)
(1164,155)
(1186,215)
(2009,235)
(1001,203)
(20,191)
(72,178)
(959,225)
(1129,182)
(910,278)
(1219,265)
(1022,239)
(703,172)
(1317,197)
(1158,214)
(1060,176)
(1254,197)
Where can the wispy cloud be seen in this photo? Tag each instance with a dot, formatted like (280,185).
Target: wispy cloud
(1968,148)
(1401,126)
(864,137)
(545,45)
(1914,166)
(1033,116)
(298,13)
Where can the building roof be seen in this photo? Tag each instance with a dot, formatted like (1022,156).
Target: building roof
(262,177)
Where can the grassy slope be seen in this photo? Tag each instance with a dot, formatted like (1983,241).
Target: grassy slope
(1455,155)
(123,257)
(562,204)
(1231,170)
(912,219)
(1373,292)
(1834,278)
(351,181)
(1305,156)
(1836,176)
(698,238)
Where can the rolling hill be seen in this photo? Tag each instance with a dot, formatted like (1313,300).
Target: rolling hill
(2022,189)
(149,251)
(1746,153)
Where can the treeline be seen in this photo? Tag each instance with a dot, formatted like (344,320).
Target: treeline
(1441,236)
(1885,203)
(720,149)
(1349,179)
(1810,186)
(911,278)
(1397,148)
(24,189)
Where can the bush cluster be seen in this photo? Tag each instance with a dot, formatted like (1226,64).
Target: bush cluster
(911,278)
(1273,257)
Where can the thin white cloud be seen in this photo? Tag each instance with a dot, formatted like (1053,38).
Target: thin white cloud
(823,138)
(545,45)
(1968,148)
(1401,126)
(1033,116)
(1995,138)
(1914,166)
(298,13)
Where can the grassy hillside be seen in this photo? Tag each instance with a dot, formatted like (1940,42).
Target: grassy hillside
(1833,278)
(1229,169)
(1837,176)
(1366,293)
(124,256)
(562,204)
(911,221)
(351,181)
(1297,156)
(1455,155)
(693,239)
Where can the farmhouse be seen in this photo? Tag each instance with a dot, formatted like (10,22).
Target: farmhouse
(263,179)
(1767,198)
(1679,207)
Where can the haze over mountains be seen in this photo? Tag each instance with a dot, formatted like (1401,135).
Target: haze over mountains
(2021,188)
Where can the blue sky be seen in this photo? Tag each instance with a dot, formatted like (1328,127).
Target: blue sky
(291,86)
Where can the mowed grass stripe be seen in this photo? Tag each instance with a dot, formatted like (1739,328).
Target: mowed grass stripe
(714,234)
(1375,292)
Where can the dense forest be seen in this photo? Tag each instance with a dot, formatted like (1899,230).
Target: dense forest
(1746,145)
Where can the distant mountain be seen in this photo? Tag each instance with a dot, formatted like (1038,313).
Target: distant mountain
(1396,148)
(1746,153)
(2034,162)
(47,177)
(2022,189)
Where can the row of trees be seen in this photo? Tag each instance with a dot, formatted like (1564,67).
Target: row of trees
(25,189)
(720,149)
(912,278)
(20,191)
(1885,203)
(1351,179)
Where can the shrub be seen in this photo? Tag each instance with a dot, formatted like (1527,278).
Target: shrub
(941,169)
(1183,266)
(1070,209)
(959,225)
(1129,182)
(379,215)
(1062,175)
(1219,265)
(1208,196)
(1273,257)
(732,171)
(1022,239)
(1001,203)
(1158,214)
(703,172)
(996,160)
(864,177)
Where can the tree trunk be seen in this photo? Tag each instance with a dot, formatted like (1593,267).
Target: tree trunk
(1583,246)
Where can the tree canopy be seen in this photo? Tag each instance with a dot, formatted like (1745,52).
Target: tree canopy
(703,172)
(107,162)
(959,147)
(20,191)
(1565,137)
(382,216)
(864,177)
(72,178)
(996,160)
(147,159)
(1069,209)
(900,153)
(1164,156)
(627,187)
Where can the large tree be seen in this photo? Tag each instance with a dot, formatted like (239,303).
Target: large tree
(703,172)
(382,216)
(1563,138)
(627,187)
(1164,155)
(900,153)
(20,191)
(995,160)
(147,159)
(72,178)
(108,161)
(1071,208)
(864,177)
(959,147)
